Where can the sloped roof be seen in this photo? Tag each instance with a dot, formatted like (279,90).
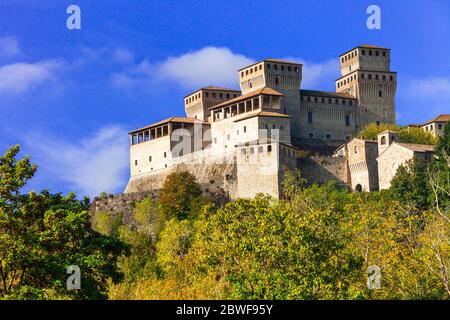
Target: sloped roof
(326,94)
(172,120)
(265,90)
(417,147)
(263,114)
(439,118)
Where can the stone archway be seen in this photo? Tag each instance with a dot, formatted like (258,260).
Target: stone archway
(358,188)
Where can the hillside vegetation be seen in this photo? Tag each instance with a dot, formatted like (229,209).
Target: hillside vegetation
(315,243)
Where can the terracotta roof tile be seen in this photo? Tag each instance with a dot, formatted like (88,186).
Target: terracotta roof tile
(439,118)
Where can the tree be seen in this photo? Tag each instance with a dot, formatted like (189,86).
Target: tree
(179,195)
(371,130)
(411,184)
(406,134)
(41,235)
(286,251)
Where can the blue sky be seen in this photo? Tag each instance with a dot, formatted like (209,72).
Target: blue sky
(69,97)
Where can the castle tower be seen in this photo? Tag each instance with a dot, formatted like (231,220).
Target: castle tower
(198,103)
(281,75)
(385,139)
(366,75)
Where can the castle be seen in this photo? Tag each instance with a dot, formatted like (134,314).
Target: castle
(239,143)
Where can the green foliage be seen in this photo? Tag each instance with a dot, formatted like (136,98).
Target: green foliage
(179,195)
(406,135)
(411,184)
(371,130)
(316,243)
(106,223)
(416,135)
(43,234)
(286,251)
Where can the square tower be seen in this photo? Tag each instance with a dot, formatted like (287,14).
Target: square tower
(366,75)
(281,75)
(198,103)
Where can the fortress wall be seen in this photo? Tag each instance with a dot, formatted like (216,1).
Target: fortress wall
(217,181)
(217,176)
(321,169)
(120,204)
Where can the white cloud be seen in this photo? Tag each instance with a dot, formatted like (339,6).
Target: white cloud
(123,56)
(210,65)
(19,77)
(91,165)
(9,47)
(427,97)
(207,66)
(430,88)
(215,66)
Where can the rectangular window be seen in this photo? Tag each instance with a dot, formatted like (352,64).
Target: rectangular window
(245,129)
(150,158)
(347,120)
(135,162)
(165,154)
(310,117)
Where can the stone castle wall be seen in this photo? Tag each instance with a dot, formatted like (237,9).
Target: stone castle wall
(321,169)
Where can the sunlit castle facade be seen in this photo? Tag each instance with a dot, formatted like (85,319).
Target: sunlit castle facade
(241,142)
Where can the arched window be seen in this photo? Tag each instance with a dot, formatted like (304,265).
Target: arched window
(269,148)
(380,94)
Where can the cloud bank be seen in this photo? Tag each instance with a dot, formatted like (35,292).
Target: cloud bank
(428,97)
(22,76)
(213,66)
(94,164)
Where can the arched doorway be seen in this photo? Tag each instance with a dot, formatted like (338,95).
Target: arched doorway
(358,188)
